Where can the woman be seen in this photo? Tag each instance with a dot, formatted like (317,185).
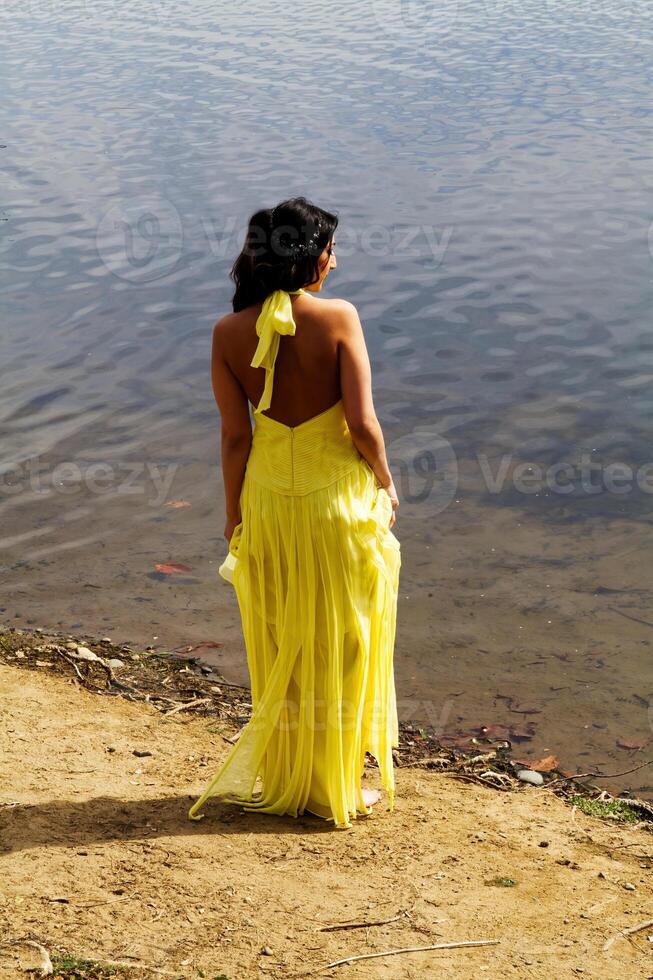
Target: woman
(310,502)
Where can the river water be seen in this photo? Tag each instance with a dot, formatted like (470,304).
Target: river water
(491,167)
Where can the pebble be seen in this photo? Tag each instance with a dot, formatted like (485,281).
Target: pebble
(629,887)
(86,654)
(115,663)
(266,951)
(141,754)
(530,776)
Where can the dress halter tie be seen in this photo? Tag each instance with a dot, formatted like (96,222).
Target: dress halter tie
(274,319)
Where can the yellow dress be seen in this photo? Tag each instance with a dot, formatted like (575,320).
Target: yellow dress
(315,570)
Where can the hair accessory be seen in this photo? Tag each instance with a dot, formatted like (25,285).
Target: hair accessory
(291,247)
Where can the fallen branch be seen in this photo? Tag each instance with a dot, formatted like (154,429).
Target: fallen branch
(465,776)
(186,704)
(70,660)
(627,932)
(234,738)
(598,775)
(423,763)
(635,619)
(413,949)
(361,925)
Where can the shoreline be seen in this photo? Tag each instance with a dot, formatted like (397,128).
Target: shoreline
(103,871)
(140,678)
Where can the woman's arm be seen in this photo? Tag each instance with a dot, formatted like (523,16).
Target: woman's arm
(356,387)
(235,428)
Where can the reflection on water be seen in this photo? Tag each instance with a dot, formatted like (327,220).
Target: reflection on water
(491,166)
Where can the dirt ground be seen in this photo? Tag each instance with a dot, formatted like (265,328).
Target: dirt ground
(99,860)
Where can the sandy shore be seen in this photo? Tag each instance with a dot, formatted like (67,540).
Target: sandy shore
(100,862)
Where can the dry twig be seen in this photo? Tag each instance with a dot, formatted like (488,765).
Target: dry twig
(186,704)
(413,949)
(361,925)
(598,775)
(627,932)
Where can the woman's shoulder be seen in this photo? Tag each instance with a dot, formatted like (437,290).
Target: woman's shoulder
(334,307)
(231,322)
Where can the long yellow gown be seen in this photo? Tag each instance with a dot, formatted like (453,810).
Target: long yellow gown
(315,570)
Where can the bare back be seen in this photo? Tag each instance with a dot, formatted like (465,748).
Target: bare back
(307,370)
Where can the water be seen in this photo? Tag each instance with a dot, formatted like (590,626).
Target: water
(491,166)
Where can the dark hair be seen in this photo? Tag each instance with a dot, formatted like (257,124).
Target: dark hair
(281,251)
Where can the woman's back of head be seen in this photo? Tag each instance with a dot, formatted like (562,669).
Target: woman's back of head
(282,250)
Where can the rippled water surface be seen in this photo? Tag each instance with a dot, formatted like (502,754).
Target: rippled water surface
(491,167)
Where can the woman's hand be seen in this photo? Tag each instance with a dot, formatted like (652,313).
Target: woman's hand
(232,522)
(391,491)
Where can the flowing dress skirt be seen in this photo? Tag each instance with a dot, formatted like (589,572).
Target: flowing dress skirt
(315,569)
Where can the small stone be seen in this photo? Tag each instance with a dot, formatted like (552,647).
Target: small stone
(141,754)
(543,843)
(106,639)
(530,776)
(206,670)
(115,663)
(266,951)
(86,654)
(629,887)
(111,748)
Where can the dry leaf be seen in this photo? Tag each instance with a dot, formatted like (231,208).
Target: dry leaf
(626,744)
(547,764)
